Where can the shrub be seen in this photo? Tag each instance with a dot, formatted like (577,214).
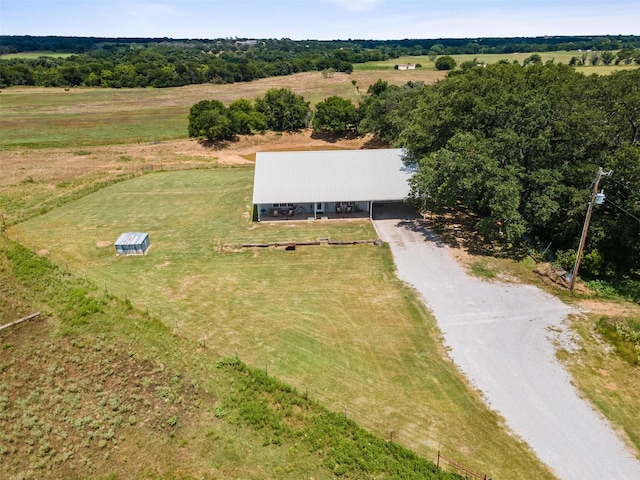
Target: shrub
(445,62)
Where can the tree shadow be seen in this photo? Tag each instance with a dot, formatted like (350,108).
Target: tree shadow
(333,137)
(217,144)
(374,143)
(456,229)
(419,225)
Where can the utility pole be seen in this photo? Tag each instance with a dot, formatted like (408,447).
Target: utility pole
(585,228)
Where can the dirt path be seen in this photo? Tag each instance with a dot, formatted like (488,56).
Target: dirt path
(502,337)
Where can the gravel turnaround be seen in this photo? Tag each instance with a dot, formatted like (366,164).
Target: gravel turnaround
(502,337)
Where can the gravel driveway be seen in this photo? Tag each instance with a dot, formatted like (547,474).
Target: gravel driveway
(501,337)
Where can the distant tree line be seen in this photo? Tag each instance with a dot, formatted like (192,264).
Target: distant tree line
(127,63)
(170,64)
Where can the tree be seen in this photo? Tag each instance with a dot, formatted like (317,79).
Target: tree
(385,113)
(378,87)
(445,62)
(245,119)
(607,57)
(469,64)
(335,115)
(211,120)
(283,110)
(533,58)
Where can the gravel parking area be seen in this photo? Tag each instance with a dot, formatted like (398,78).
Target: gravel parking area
(502,337)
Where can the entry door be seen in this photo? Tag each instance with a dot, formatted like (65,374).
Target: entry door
(320,207)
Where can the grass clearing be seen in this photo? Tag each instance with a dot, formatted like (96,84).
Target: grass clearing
(490,58)
(332,321)
(34,55)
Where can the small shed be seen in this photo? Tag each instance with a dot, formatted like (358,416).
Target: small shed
(132,243)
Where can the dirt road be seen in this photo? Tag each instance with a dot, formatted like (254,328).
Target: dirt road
(501,337)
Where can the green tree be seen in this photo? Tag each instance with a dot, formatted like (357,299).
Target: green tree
(607,57)
(378,87)
(469,64)
(386,114)
(211,120)
(533,58)
(245,119)
(445,62)
(335,115)
(283,110)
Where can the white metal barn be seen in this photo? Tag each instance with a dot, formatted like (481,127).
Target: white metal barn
(328,183)
(132,243)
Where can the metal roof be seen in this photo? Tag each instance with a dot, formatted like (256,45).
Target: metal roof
(330,175)
(131,238)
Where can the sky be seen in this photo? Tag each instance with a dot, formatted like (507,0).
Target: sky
(319,19)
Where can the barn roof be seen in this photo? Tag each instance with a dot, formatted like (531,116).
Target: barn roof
(330,175)
(131,238)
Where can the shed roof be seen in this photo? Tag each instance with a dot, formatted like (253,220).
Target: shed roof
(131,238)
(330,175)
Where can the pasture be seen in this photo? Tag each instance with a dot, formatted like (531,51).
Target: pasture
(489,58)
(333,321)
(34,55)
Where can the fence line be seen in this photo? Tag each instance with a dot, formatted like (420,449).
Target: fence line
(294,244)
(23,319)
(459,467)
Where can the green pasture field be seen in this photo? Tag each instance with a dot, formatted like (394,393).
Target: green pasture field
(558,57)
(33,117)
(55,117)
(333,321)
(33,55)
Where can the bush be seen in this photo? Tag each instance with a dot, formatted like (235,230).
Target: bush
(445,63)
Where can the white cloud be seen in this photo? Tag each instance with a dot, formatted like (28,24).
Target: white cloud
(357,5)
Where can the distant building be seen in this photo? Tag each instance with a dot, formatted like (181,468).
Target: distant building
(132,243)
(328,184)
(406,66)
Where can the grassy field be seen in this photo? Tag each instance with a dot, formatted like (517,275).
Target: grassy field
(427,64)
(33,55)
(55,117)
(332,321)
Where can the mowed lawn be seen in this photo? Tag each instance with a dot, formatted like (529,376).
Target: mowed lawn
(331,320)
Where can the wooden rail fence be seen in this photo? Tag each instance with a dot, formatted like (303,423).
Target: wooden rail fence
(459,467)
(23,319)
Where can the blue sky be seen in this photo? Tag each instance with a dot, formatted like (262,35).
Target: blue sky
(319,19)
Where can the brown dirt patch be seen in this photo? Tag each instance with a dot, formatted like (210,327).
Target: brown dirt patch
(617,308)
(66,164)
(103,243)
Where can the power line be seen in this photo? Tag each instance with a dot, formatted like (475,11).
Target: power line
(625,186)
(618,206)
